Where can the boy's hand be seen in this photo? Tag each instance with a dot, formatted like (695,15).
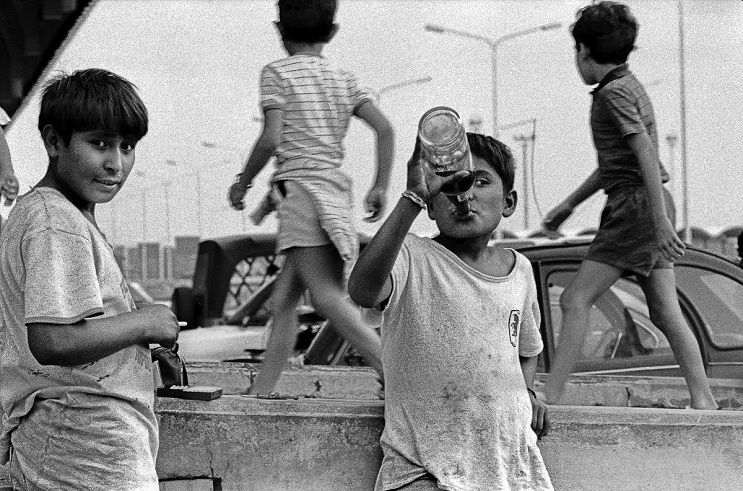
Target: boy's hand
(236,195)
(556,216)
(9,188)
(671,246)
(422,181)
(540,422)
(161,325)
(376,201)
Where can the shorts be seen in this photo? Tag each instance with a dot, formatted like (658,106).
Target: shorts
(299,223)
(626,235)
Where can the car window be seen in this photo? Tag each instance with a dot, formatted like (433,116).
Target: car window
(719,301)
(249,275)
(619,323)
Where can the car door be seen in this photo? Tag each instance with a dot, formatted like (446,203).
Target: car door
(712,291)
(621,338)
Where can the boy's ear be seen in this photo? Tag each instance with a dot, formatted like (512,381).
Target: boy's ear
(509,203)
(52,140)
(583,51)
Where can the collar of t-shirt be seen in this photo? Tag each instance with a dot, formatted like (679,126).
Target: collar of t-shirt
(618,72)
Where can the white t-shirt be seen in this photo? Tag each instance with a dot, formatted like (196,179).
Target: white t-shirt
(318,101)
(456,404)
(97,419)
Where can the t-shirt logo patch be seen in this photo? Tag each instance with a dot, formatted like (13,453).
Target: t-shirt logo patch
(513,326)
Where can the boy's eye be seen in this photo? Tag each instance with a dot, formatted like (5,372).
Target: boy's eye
(481,181)
(127,147)
(99,143)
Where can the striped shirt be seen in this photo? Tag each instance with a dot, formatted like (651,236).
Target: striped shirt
(317,100)
(621,107)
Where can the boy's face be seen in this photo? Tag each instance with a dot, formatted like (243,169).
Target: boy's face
(488,204)
(94,165)
(583,62)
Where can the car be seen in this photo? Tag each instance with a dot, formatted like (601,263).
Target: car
(230,300)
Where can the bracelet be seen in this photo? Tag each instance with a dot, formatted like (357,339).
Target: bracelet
(414,198)
(239,176)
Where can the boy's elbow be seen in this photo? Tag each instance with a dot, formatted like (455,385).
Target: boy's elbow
(386,132)
(359,293)
(45,347)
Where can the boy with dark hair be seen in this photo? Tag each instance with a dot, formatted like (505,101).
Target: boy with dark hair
(307,104)
(77,388)
(460,336)
(636,234)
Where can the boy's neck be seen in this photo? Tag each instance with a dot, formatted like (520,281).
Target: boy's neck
(50,180)
(600,71)
(475,252)
(312,49)
(470,247)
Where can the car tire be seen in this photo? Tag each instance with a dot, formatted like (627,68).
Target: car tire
(181,303)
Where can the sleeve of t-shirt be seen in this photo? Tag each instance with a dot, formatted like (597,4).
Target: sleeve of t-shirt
(399,277)
(61,285)
(271,89)
(530,340)
(622,110)
(359,93)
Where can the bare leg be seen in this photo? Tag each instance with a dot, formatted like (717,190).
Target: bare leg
(665,312)
(321,269)
(285,298)
(591,281)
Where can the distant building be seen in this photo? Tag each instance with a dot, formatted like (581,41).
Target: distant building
(135,264)
(184,256)
(151,260)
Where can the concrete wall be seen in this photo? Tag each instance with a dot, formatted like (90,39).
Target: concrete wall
(255,444)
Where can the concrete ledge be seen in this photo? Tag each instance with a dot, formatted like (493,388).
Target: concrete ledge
(250,443)
(360,383)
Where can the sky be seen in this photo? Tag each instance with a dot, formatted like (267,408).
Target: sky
(197,63)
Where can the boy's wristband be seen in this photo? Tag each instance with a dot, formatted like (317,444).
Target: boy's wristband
(414,198)
(238,177)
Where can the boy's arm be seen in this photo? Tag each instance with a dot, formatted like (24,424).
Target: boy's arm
(670,244)
(92,339)
(262,151)
(562,211)
(539,418)
(370,284)
(385,148)
(8,179)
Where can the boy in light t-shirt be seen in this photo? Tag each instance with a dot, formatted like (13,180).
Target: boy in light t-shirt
(460,337)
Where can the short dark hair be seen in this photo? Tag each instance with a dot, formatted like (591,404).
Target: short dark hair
(307,21)
(495,153)
(608,30)
(92,99)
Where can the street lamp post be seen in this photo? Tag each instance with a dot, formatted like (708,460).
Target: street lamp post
(525,139)
(682,96)
(242,153)
(197,174)
(405,83)
(493,44)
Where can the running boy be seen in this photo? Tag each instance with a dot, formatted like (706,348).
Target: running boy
(76,387)
(636,233)
(307,105)
(460,337)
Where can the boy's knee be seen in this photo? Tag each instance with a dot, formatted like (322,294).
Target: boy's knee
(574,299)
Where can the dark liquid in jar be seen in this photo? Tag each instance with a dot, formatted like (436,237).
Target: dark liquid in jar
(457,187)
